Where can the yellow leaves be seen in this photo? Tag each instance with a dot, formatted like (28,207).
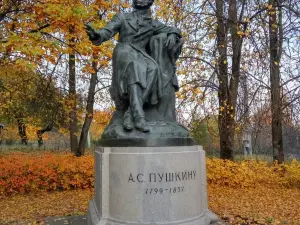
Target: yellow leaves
(253,174)
(246,192)
(226,109)
(240,33)
(243,34)
(88,69)
(60,15)
(211,36)
(100,121)
(33,208)
(200,51)
(189,92)
(259,205)
(270,7)
(247,20)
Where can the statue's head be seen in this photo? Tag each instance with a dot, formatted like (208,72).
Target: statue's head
(142,4)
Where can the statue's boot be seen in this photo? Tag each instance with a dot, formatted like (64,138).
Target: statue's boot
(128,121)
(141,124)
(136,107)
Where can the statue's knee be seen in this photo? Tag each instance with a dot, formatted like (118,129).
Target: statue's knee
(153,68)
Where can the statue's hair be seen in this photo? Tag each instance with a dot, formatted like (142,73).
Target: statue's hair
(150,3)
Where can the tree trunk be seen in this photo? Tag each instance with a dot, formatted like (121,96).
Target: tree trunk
(89,110)
(40,133)
(276,100)
(73,101)
(73,128)
(22,131)
(246,135)
(227,88)
(1,130)
(225,141)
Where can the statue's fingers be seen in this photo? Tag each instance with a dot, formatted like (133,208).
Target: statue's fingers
(89,27)
(89,33)
(171,44)
(167,42)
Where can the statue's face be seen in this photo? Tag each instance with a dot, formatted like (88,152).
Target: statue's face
(142,4)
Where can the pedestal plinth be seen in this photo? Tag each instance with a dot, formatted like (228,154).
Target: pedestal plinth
(150,185)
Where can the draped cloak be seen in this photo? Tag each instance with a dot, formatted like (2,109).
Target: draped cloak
(131,56)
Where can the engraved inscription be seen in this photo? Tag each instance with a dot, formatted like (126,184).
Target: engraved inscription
(151,191)
(162,177)
(138,178)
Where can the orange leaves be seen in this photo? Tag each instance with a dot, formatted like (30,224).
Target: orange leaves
(251,174)
(20,173)
(46,22)
(48,171)
(246,192)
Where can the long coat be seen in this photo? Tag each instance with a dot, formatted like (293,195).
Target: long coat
(135,32)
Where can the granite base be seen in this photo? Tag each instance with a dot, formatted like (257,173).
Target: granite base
(150,185)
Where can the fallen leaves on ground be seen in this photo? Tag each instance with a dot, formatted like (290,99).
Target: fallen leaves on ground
(34,207)
(234,205)
(255,205)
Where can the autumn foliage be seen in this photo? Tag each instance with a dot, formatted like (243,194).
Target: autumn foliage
(250,174)
(22,173)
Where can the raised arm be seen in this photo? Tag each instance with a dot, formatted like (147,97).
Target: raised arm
(105,33)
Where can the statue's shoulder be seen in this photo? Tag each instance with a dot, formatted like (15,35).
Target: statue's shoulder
(119,15)
(127,15)
(123,16)
(156,22)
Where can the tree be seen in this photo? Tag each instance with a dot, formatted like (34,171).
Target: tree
(228,83)
(275,43)
(89,109)
(27,94)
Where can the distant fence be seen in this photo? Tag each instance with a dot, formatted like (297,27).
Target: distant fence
(48,145)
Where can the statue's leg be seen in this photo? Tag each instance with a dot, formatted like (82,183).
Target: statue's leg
(128,120)
(152,72)
(136,107)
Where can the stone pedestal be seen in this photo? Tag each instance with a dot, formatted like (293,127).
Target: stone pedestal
(150,185)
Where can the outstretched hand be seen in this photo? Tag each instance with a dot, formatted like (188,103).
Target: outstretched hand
(171,40)
(90,32)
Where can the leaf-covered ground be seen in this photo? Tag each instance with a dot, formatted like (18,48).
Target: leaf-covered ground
(256,205)
(34,207)
(235,205)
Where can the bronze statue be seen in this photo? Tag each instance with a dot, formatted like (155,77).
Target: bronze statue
(143,65)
